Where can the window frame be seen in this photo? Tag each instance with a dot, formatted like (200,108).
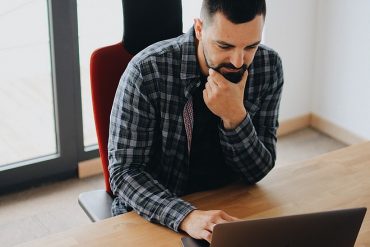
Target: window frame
(63,31)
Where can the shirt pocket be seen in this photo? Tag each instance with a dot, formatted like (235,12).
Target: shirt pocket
(252,108)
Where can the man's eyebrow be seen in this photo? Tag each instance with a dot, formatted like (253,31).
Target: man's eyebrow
(220,42)
(255,43)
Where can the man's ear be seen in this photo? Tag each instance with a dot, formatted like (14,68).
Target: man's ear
(198,25)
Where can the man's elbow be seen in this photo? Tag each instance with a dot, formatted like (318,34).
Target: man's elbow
(116,179)
(259,173)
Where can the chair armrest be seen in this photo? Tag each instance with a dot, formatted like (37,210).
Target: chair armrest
(97,204)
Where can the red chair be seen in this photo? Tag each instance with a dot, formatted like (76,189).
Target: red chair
(106,67)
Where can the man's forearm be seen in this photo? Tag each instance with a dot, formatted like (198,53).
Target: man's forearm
(149,198)
(246,153)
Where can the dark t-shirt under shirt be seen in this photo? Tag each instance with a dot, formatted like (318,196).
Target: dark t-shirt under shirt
(207,165)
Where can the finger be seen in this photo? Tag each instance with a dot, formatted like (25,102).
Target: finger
(228,217)
(217,78)
(212,85)
(209,88)
(210,79)
(243,81)
(219,221)
(206,235)
(205,95)
(210,226)
(235,219)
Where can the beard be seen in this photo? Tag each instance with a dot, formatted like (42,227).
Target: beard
(233,77)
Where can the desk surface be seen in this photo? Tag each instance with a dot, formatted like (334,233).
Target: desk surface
(340,179)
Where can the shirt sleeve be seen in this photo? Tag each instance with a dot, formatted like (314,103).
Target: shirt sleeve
(250,148)
(130,150)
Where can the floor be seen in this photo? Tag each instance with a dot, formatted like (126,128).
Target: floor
(40,211)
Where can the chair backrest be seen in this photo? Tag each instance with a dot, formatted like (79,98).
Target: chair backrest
(106,67)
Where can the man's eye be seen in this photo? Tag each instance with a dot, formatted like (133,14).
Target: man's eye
(224,47)
(252,47)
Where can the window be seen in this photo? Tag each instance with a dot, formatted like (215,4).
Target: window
(106,19)
(27,126)
(46,124)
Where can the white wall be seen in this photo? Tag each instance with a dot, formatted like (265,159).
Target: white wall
(190,10)
(290,29)
(341,91)
(325,49)
(284,32)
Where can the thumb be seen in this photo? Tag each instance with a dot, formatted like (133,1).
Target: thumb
(243,81)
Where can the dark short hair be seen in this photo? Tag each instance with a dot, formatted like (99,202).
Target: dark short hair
(236,11)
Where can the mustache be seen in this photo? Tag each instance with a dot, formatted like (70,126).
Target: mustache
(234,77)
(243,68)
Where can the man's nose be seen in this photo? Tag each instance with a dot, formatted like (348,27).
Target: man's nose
(237,59)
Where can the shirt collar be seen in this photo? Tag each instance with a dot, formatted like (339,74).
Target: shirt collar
(189,62)
(190,70)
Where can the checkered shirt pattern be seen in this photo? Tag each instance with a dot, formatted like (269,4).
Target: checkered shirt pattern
(151,127)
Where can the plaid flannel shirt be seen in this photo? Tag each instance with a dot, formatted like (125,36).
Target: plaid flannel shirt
(151,128)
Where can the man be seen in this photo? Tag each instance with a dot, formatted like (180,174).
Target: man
(194,113)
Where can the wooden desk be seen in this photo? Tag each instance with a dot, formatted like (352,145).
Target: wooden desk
(340,179)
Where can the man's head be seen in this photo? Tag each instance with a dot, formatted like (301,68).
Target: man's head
(229,32)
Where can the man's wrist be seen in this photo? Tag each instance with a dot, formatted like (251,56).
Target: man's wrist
(183,213)
(184,223)
(233,123)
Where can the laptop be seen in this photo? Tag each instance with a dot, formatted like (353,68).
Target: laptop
(337,228)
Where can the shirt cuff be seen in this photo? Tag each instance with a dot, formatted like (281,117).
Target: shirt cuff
(240,136)
(174,213)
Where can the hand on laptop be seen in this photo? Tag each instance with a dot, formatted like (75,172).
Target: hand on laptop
(199,224)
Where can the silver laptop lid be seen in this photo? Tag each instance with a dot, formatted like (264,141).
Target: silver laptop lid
(337,228)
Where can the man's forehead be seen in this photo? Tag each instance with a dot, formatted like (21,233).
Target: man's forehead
(219,19)
(221,29)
